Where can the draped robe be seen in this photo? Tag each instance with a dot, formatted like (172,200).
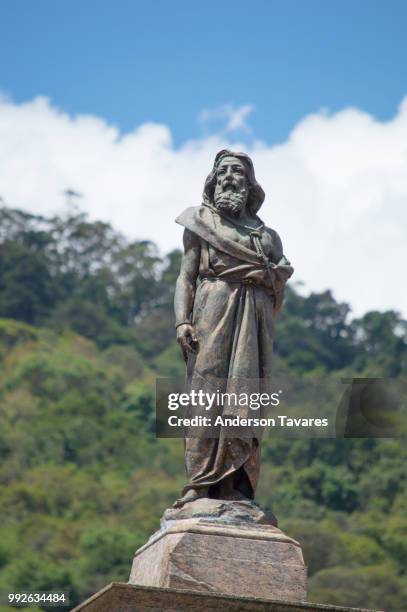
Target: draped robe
(235,301)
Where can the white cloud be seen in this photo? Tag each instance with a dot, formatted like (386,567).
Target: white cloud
(336,189)
(231,117)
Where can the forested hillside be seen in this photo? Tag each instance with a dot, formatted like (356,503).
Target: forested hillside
(86,326)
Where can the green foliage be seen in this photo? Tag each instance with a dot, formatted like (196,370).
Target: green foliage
(83,480)
(373,586)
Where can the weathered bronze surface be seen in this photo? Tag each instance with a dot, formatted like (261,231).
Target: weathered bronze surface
(229,289)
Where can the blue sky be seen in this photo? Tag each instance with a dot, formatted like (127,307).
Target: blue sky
(142,95)
(165,61)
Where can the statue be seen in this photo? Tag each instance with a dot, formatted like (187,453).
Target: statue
(229,289)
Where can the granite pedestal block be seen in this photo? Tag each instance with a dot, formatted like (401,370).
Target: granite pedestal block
(220,554)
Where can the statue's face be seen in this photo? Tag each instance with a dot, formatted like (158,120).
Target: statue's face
(231,175)
(231,189)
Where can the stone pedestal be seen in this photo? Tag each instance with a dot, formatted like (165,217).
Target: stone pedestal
(215,556)
(233,548)
(120,597)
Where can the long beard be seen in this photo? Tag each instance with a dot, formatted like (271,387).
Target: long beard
(231,202)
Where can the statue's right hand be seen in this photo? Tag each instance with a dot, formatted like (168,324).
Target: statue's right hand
(187,339)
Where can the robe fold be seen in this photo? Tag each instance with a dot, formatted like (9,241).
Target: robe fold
(235,302)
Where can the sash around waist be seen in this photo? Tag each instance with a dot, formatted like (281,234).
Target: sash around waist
(237,281)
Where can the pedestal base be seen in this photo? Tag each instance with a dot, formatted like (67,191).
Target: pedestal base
(220,556)
(120,597)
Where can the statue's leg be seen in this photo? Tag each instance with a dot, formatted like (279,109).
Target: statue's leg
(225,490)
(242,485)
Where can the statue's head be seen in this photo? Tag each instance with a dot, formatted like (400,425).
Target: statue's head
(232,184)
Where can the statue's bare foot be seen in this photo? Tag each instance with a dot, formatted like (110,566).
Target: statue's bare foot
(190,495)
